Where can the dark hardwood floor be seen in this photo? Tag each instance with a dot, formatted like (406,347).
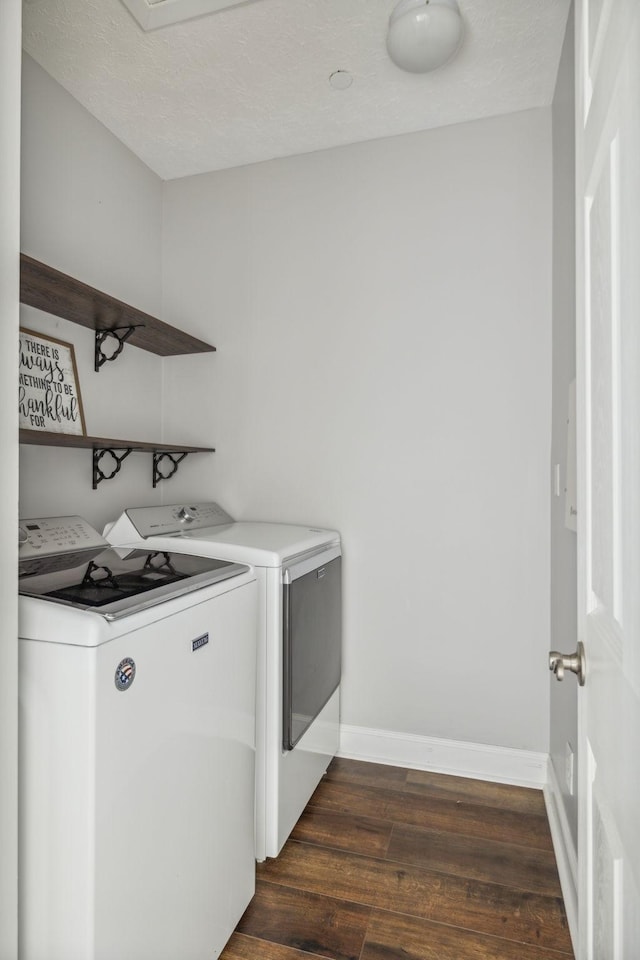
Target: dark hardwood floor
(394,864)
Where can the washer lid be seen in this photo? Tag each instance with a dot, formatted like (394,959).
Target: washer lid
(116,583)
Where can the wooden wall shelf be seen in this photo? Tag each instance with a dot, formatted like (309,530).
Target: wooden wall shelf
(54,292)
(46,439)
(118,450)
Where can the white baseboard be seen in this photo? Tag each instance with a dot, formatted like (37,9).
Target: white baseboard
(455,757)
(564,849)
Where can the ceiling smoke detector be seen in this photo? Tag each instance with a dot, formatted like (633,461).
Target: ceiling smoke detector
(341,80)
(152,14)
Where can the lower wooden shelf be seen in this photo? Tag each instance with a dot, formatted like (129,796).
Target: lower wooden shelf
(118,450)
(45,439)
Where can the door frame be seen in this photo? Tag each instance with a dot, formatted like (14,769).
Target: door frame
(10,84)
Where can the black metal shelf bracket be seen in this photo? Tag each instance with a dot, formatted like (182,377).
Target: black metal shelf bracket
(120,334)
(118,458)
(158,457)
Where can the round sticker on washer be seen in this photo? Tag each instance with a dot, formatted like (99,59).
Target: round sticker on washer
(125,674)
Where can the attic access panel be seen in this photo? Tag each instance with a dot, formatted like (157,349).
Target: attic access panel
(152,14)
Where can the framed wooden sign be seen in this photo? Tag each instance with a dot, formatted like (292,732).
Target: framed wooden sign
(48,388)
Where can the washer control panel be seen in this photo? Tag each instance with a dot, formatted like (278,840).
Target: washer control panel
(46,536)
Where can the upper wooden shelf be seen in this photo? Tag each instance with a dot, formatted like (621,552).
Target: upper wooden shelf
(50,290)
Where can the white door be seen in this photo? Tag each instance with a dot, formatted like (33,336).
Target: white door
(608,397)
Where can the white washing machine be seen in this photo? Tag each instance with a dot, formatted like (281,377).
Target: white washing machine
(299,643)
(137,749)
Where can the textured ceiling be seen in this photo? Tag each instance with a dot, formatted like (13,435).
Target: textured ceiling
(252,82)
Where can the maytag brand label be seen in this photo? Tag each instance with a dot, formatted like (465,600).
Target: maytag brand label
(125,674)
(199,642)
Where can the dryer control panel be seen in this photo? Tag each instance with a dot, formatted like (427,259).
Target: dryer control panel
(176,518)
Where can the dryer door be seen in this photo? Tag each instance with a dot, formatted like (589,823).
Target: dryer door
(312,638)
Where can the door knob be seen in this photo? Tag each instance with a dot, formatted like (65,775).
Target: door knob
(575,662)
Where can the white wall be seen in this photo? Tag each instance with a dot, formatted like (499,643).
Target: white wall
(10,23)
(382,314)
(93,210)
(564,631)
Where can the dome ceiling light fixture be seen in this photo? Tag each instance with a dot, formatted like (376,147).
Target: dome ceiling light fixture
(424,34)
